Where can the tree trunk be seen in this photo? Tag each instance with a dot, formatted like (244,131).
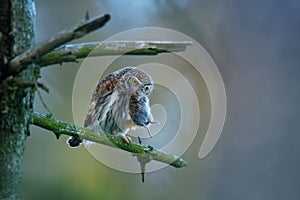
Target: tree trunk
(16,35)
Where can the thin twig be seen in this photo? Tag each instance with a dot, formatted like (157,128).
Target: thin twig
(61,38)
(42,99)
(72,52)
(87,15)
(66,128)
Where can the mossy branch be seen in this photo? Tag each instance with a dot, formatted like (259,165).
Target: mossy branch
(79,30)
(66,128)
(73,52)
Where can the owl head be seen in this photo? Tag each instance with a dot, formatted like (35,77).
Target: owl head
(137,81)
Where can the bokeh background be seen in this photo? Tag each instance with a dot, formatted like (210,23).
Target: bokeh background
(256,47)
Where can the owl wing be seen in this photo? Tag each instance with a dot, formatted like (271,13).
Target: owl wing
(102,95)
(100,98)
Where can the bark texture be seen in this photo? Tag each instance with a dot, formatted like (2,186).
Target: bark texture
(16,35)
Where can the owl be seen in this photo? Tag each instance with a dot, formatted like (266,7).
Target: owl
(119,104)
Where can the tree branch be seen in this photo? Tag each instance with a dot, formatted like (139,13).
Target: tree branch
(72,52)
(81,29)
(29,83)
(60,127)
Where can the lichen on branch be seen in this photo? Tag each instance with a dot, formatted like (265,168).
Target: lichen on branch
(73,52)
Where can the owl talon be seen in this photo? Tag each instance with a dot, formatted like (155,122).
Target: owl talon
(128,139)
(125,138)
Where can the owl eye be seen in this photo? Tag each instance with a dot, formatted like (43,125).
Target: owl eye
(134,81)
(146,89)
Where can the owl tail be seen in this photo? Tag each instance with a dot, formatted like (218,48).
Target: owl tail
(74,141)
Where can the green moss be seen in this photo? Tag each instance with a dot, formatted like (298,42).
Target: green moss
(66,128)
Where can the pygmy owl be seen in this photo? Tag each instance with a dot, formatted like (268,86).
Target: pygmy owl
(119,103)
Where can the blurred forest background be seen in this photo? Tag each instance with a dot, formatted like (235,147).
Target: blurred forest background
(256,47)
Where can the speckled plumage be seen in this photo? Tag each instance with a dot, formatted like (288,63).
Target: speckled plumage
(119,103)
